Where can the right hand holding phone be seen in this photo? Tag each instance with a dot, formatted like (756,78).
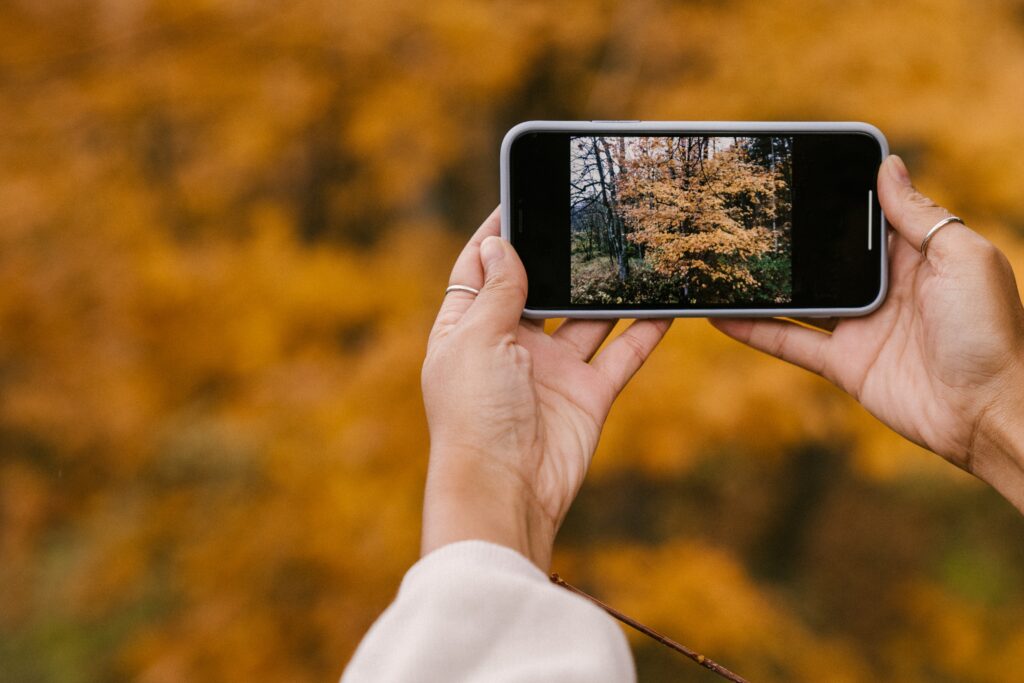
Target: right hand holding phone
(942,361)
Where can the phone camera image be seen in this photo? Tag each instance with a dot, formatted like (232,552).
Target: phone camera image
(693,221)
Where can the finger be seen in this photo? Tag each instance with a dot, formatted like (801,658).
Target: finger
(499,306)
(913,215)
(468,271)
(626,353)
(584,337)
(792,343)
(825,324)
(534,323)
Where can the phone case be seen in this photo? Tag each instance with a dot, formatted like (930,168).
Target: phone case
(695,128)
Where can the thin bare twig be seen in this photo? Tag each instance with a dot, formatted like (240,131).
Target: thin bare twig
(650,632)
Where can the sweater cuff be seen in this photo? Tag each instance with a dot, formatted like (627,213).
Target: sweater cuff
(482,555)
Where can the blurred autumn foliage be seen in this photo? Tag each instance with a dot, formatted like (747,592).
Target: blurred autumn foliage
(225,227)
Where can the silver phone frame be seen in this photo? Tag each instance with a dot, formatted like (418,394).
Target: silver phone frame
(695,128)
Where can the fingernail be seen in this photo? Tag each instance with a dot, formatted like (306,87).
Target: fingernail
(491,251)
(899,169)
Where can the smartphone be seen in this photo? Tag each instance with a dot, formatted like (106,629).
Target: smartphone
(683,218)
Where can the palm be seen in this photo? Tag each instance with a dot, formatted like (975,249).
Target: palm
(572,399)
(929,361)
(528,403)
(904,364)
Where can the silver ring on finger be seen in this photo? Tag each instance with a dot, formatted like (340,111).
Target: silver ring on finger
(934,229)
(461,288)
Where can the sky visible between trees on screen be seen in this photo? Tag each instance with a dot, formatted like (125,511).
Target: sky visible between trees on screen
(681,220)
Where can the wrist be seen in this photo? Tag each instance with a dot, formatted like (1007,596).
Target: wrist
(466,499)
(997,451)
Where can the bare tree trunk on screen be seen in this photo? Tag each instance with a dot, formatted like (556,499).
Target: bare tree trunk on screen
(606,173)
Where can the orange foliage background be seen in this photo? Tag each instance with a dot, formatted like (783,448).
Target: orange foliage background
(225,227)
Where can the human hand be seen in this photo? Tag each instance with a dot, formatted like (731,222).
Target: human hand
(942,360)
(514,413)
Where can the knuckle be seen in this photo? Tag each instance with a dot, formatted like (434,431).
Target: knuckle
(634,346)
(920,201)
(505,285)
(998,263)
(578,349)
(777,341)
(446,318)
(523,358)
(987,253)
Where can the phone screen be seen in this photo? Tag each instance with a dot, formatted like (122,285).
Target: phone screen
(697,221)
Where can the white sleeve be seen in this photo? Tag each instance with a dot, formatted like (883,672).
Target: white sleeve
(477,611)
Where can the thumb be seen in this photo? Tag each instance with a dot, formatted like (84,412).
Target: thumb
(912,214)
(499,306)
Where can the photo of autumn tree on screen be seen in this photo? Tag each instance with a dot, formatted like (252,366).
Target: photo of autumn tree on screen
(681,220)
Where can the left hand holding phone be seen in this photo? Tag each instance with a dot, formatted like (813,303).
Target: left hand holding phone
(514,413)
